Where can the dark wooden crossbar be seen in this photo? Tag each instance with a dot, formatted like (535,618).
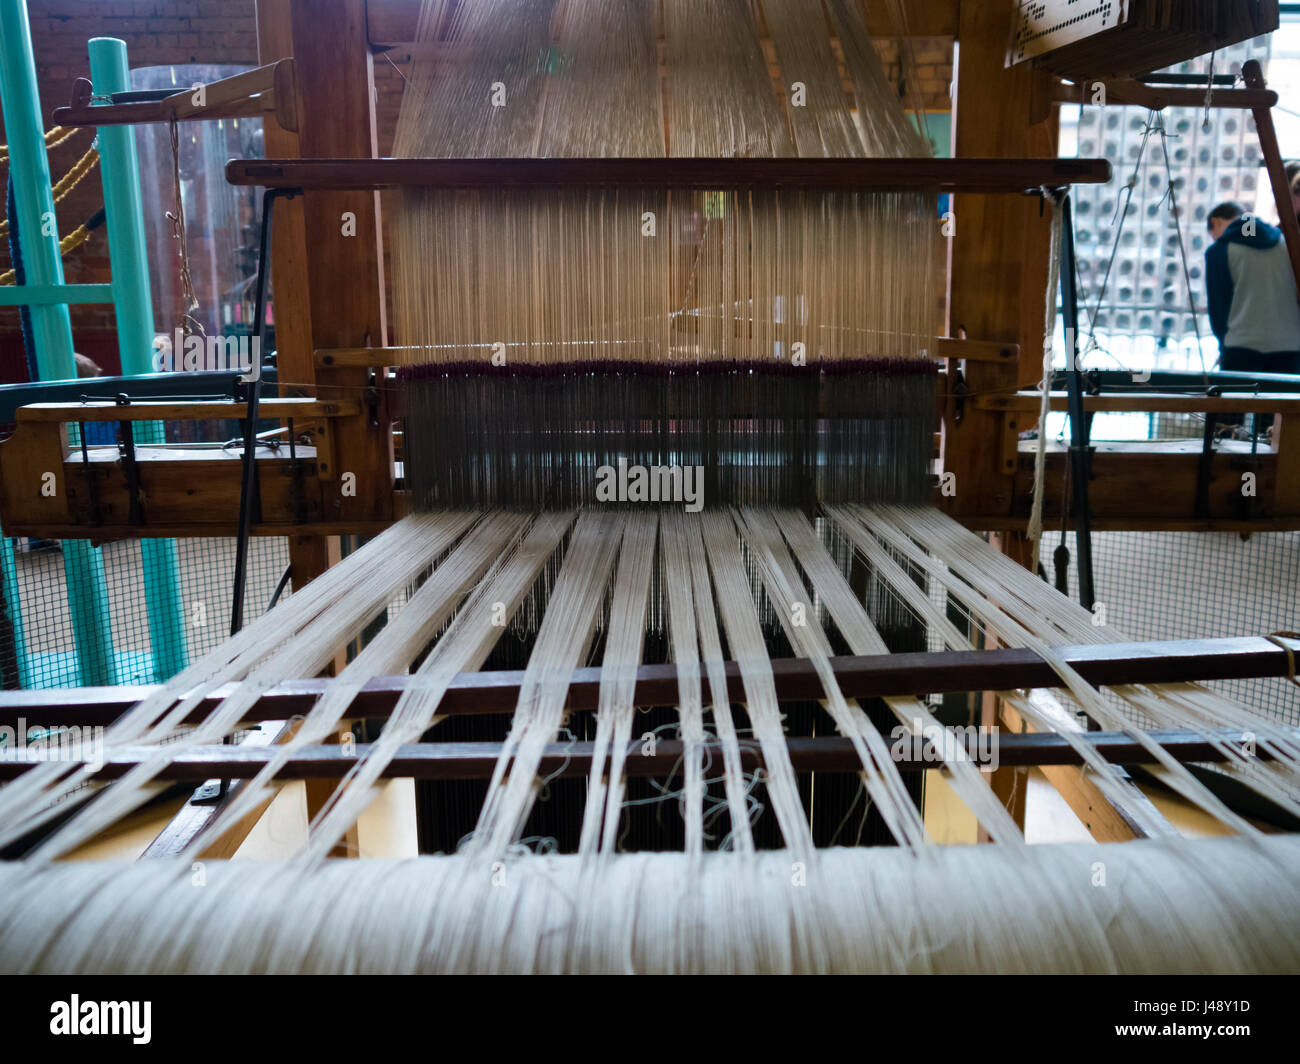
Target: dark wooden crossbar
(476,760)
(947,175)
(871,676)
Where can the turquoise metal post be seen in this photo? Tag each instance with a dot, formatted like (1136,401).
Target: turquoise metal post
(9,577)
(29,167)
(119,167)
(38,235)
(124,219)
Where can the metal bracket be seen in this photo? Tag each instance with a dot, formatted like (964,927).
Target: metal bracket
(1204,465)
(372,399)
(1080,454)
(92,488)
(295,475)
(130,468)
(210,793)
(960,390)
(249,497)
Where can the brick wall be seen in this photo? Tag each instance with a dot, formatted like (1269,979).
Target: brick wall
(933,58)
(160,32)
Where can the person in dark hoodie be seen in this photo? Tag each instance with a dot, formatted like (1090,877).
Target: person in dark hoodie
(1252,294)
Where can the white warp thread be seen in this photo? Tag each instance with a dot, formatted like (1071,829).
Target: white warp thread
(1221,906)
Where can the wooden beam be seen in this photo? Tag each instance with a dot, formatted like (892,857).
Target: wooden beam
(107,533)
(344,262)
(1276,169)
(264,90)
(138,114)
(226,90)
(1286,442)
(1158,481)
(309,555)
(391,24)
(319,304)
(477,760)
(945,347)
(1135,523)
(999,253)
(871,676)
(949,347)
(1157,98)
(972,174)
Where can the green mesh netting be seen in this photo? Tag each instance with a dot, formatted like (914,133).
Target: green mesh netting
(155,615)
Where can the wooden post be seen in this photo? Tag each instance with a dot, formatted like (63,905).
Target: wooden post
(1268,145)
(1009,782)
(329,284)
(1286,442)
(1105,821)
(999,252)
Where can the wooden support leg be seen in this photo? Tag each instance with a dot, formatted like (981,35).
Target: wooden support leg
(1009,783)
(191,819)
(1276,168)
(1105,821)
(318,793)
(309,556)
(1286,442)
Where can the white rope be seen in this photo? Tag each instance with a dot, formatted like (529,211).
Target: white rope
(1034,530)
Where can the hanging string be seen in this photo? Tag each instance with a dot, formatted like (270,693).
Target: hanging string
(1209,93)
(189,323)
(1176,213)
(1034,530)
(1121,215)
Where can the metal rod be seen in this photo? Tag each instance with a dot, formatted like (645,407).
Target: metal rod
(253,383)
(1080,447)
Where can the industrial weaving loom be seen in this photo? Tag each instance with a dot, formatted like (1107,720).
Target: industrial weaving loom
(659,635)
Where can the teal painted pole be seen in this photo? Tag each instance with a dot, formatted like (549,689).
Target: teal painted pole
(83,566)
(38,235)
(9,576)
(119,168)
(124,220)
(29,167)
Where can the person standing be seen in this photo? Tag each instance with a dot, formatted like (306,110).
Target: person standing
(1252,294)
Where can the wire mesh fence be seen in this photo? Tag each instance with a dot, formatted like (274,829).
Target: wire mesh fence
(147,640)
(1191,585)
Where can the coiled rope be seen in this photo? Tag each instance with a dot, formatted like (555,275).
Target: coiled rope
(67,182)
(73,240)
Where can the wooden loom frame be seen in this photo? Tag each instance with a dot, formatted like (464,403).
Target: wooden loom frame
(332,328)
